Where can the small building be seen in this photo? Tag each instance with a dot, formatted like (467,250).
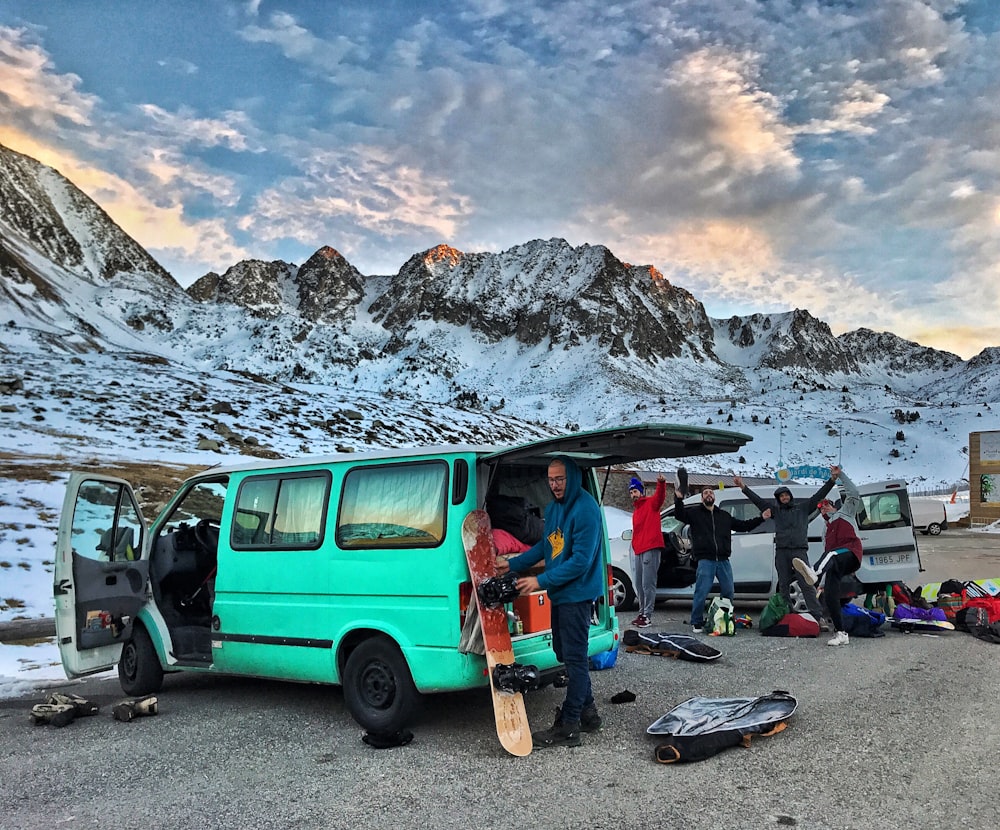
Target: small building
(984,478)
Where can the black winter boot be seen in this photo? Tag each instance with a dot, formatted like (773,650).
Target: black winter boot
(565,734)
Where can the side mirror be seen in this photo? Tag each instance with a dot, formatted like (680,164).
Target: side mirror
(627,535)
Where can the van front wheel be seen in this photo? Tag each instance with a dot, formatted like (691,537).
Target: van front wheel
(378,687)
(139,669)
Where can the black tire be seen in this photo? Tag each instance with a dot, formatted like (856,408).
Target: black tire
(622,591)
(378,687)
(139,669)
(934,528)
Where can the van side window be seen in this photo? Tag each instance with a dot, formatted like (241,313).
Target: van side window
(393,505)
(283,511)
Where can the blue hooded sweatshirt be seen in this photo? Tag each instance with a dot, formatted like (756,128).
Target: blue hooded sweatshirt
(571,546)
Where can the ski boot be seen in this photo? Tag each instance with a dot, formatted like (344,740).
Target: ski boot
(130,708)
(56,714)
(682,482)
(496,590)
(82,706)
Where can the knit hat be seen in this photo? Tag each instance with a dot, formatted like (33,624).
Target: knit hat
(635,484)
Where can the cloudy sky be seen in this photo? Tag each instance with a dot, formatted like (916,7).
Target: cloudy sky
(842,157)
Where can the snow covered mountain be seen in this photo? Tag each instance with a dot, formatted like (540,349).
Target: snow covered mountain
(542,333)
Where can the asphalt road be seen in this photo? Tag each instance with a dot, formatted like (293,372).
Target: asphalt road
(896,731)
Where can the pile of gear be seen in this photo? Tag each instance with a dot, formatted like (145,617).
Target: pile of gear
(62,709)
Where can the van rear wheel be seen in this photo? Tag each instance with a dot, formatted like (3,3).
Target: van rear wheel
(378,686)
(934,528)
(139,669)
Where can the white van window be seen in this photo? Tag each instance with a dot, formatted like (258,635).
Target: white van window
(397,505)
(881,510)
(284,512)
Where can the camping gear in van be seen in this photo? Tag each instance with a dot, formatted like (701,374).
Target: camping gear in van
(701,727)
(517,516)
(512,725)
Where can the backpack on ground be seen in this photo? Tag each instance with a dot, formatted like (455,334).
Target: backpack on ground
(701,727)
(720,618)
(775,609)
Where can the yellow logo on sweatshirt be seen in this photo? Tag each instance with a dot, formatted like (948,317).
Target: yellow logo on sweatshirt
(557,542)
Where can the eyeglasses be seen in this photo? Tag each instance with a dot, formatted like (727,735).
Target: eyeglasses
(557,480)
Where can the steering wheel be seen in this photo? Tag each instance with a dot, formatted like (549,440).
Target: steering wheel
(206,534)
(675,542)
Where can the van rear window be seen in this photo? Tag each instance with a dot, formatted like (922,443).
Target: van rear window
(281,511)
(881,510)
(393,506)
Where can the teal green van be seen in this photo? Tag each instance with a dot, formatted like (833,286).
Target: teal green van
(347,569)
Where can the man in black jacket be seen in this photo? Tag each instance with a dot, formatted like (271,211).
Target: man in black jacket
(791,537)
(711,546)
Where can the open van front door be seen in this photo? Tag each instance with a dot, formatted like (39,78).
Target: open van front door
(100,573)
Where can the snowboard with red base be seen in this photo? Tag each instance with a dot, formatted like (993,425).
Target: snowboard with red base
(506,677)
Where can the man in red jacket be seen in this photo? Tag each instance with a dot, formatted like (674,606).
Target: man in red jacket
(647,544)
(842,553)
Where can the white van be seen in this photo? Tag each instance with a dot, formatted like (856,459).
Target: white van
(884,526)
(929,515)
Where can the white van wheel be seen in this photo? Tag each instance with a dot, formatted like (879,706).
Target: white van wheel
(622,592)
(139,669)
(798,601)
(934,528)
(378,687)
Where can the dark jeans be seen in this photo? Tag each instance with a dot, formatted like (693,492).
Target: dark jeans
(831,568)
(708,571)
(786,573)
(570,639)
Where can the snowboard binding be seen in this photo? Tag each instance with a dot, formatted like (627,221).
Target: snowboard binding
(514,677)
(496,590)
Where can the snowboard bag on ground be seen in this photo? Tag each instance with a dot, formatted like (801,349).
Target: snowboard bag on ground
(793,625)
(862,622)
(678,646)
(701,727)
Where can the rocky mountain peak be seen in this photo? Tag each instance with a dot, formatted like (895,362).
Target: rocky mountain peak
(329,288)
(253,284)
(41,209)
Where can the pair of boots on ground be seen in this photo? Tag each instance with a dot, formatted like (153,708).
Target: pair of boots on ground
(567,734)
(61,709)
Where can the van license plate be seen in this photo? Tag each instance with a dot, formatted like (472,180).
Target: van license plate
(890,559)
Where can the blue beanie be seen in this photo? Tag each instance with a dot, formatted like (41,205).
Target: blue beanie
(635,484)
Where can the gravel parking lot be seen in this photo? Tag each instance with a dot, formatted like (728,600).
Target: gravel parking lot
(894,730)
